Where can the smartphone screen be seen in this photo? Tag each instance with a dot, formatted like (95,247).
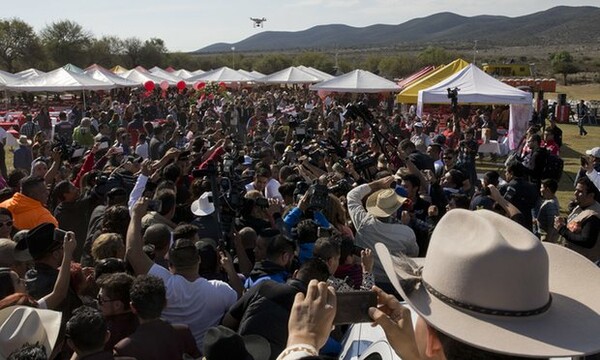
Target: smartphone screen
(353,307)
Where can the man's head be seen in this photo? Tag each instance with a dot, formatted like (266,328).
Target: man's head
(261,178)
(548,188)
(311,269)
(548,135)
(108,245)
(159,236)
(167,199)
(491,178)
(35,188)
(183,256)
(449,158)
(586,193)
(411,183)
(65,191)
(534,141)
(43,246)
(113,297)
(86,331)
(186,231)
(328,250)
(148,297)
(307,231)
(280,250)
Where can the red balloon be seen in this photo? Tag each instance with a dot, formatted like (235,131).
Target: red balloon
(149,85)
(196,85)
(164,85)
(181,85)
(202,85)
(222,84)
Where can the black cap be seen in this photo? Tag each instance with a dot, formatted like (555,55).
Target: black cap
(40,240)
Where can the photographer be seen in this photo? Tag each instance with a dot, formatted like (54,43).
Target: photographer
(377,222)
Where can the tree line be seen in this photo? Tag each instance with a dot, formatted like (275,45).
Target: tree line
(66,41)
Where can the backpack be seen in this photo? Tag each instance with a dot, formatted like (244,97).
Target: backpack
(553,168)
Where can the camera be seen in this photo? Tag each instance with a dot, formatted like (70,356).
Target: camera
(363,161)
(341,188)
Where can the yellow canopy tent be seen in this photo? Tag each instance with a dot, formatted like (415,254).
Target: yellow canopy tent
(118,69)
(411,92)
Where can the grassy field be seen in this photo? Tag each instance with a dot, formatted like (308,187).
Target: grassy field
(577,92)
(573,147)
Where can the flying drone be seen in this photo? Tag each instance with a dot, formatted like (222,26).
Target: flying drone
(258,22)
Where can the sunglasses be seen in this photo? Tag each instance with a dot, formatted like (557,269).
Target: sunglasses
(101,300)
(7,224)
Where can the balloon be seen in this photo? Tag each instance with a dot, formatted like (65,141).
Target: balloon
(164,84)
(181,85)
(149,85)
(202,85)
(221,84)
(196,85)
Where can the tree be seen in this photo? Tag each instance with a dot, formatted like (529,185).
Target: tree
(435,56)
(105,51)
(66,42)
(152,53)
(316,60)
(562,63)
(271,63)
(18,43)
(132,51)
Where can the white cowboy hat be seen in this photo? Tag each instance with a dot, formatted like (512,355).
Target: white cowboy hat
(490,283)
(23,324)
(23,140)
(384,203)
(204,205)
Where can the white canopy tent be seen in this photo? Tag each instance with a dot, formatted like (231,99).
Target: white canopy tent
(316,72)
(171,78)
(60,80)
(29,73)
(476,87)
(250,74)
(182,73)
(357,81)
(101,74)
(140,77)
(291,75)
(223,74)
(7,78)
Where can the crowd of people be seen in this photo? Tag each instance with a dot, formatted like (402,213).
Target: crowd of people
(170,225)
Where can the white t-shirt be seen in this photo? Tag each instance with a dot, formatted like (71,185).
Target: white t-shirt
(199,304)
(142,150)
(271,190)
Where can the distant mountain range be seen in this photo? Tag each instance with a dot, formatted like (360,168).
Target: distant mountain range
(559,25)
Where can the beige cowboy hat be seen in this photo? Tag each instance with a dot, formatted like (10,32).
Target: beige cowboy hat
(490,283)
(23,140)
(23,324)
(384,203)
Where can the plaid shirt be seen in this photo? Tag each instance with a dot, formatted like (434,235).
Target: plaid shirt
(29,129)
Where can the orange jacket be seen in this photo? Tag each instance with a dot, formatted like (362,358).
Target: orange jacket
(27,212)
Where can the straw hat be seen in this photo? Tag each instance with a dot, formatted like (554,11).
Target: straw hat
(384,203)
(490,283)
(24,324)
(23,140)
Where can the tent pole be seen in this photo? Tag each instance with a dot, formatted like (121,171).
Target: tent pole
(83,95)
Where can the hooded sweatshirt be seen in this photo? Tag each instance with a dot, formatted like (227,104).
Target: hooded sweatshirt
(27,212)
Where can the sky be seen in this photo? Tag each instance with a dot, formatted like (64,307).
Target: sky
(188,25)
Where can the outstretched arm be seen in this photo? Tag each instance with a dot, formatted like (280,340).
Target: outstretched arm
(134,252)
(61,286)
